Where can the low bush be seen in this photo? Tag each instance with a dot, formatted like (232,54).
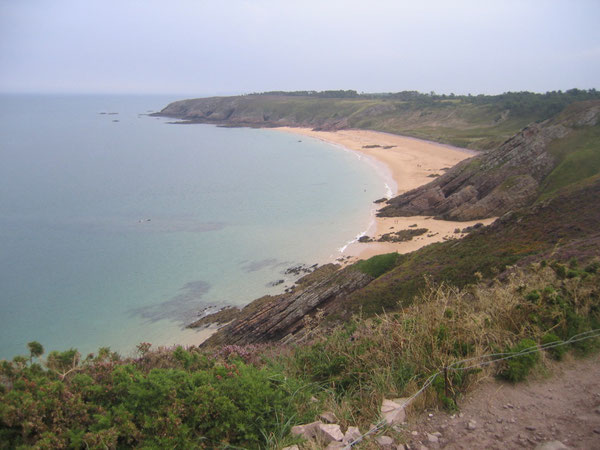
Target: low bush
(194,401)
(378,265)
(556,352)
(518,368)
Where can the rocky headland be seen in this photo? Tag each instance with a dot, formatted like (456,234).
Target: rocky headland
(493,183)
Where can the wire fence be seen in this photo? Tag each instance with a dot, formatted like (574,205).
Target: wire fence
(485,360)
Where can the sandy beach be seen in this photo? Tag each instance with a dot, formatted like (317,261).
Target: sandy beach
(405,163)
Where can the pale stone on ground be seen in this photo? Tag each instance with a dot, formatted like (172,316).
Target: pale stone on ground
(385,442)
(432,438)
(392,412)
(307,431)
(352,434)
(552,445)
(329,432)
(328,417)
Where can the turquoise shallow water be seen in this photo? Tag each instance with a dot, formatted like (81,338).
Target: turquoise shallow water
(118,228)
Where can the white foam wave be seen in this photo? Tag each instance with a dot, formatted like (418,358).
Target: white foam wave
(358,236)
(389,192)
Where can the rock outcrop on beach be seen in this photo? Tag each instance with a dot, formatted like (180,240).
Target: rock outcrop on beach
(273,318)
(492,183)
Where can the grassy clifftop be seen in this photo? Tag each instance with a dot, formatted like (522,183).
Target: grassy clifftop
(478,122)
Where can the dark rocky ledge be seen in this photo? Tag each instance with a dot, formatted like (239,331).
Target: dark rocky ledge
(493,183)
(273,318)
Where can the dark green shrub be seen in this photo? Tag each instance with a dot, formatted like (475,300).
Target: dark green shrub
(555,352)
(378,265)
(533,296)
(592,267)
(518,367)
(129,403)
(441,334)
(462,349)
(560,270)
(320,364)
(549,292)
(403,373)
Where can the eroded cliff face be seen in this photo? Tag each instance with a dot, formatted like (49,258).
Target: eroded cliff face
(280,317)
(493,183)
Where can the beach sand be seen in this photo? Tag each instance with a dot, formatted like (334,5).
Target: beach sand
(406,163)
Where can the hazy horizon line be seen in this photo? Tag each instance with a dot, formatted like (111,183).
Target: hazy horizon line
(239,93)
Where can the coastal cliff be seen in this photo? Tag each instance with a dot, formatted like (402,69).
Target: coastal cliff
(506,178)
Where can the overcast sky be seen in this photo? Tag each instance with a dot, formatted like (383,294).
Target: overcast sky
(236,46)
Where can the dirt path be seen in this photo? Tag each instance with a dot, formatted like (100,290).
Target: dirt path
(564,407)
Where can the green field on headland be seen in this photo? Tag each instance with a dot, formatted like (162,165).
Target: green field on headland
(471,121)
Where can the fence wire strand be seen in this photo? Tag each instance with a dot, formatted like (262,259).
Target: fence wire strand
(496,357)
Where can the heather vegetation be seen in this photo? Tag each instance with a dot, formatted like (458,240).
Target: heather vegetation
(250,396)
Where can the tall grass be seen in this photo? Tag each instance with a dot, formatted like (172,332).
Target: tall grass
(391,355)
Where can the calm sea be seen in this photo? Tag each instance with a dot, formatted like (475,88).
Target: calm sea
(118,228)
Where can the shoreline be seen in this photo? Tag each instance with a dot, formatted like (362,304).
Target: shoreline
(404,163)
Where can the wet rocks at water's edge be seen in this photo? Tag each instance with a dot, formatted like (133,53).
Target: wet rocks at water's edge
(273,318)
(294,271)
(215,316)
(300,269)
(220,315)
